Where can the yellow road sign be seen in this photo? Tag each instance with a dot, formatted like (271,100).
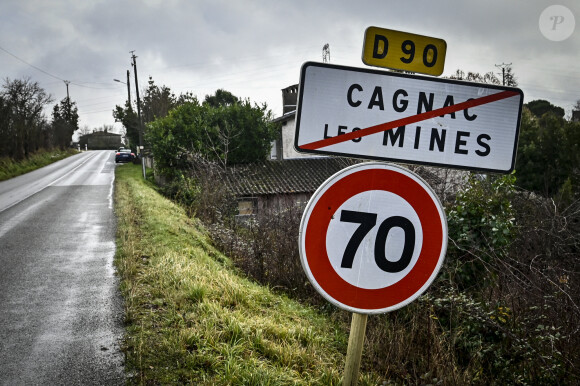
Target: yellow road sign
(404,51)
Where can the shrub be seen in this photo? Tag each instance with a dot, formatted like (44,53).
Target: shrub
(481,224)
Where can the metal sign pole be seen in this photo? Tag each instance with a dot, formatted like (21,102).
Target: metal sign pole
(354,351)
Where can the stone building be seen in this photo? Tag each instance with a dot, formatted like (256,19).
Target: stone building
(101,140)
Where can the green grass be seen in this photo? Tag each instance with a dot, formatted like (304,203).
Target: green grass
(191,318)
(10,168)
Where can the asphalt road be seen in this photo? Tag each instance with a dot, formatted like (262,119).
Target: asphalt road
(61,316)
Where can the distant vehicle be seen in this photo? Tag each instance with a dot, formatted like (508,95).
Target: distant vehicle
(124,155)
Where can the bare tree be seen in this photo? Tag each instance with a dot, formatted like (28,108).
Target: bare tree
(22,123)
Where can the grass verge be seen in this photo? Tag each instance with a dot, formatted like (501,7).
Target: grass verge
(191,318)
(10,169)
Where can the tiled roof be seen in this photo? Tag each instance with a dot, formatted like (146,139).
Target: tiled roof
(282,177)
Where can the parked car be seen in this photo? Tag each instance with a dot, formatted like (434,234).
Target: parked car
(124,155)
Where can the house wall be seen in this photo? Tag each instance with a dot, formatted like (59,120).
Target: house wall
(288,133)
(283,147)
(248,206)
(282,201)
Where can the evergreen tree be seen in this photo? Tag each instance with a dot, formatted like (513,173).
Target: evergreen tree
(128,117)
(157,102)
(540,107)
(65,121)
(548,155)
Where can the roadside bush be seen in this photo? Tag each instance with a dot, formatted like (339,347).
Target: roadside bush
(450,337)
(481,223)
(541,277)
(274,260)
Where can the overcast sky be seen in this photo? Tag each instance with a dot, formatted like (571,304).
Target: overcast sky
(255,48)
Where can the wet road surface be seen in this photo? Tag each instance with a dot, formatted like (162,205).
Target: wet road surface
(60,308)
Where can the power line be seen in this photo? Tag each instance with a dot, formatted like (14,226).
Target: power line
(49,74)
(32,65)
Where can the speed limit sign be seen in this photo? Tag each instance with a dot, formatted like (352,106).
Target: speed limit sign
(373,238)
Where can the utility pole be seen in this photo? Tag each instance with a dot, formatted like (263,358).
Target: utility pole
(138,111)
(66,82)
(503,66)
(128,87)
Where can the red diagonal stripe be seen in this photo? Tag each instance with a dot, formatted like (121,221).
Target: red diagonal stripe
(408,120)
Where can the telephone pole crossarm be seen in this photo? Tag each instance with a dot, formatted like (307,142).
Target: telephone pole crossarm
(503,66)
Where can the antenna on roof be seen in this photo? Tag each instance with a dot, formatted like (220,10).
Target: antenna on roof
(326,53)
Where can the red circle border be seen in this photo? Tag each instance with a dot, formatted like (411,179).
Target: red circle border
(324,209)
